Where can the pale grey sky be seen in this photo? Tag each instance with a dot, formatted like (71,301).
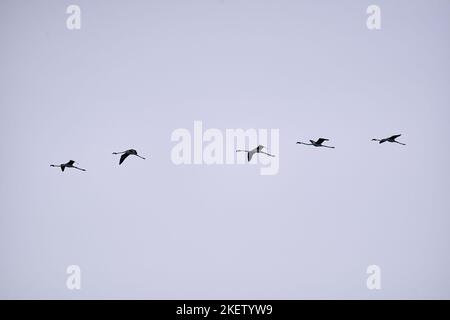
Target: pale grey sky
(137,70)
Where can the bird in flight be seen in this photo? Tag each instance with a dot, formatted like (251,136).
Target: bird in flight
(69,164)
(251,153)
(390,139)
(318,143)
(127,153)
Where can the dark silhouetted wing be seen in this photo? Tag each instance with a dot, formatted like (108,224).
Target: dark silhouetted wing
(123,157)
(395,137)
(321,140)
(251,154)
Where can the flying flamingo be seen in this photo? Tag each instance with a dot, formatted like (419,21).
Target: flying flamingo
(69,164)
(127,153)
(390,139)
(317,143)
(251,153)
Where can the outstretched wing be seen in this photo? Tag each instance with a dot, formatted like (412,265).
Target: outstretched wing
(321,140)
(123,157)
(251,154)
(395,137)
(71,163)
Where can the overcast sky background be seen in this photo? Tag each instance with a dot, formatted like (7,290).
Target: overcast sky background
(137,70)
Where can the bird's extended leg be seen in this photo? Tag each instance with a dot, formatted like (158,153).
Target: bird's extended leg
(79,168)
(403,144)
(140,156)
(328,147)
(270,155)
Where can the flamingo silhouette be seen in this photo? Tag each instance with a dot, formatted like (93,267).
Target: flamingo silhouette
(390,139)
(251,153)
(127,153)
(318,143)
(69,164)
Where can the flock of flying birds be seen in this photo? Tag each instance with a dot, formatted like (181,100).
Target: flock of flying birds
(250,153)
(124,155)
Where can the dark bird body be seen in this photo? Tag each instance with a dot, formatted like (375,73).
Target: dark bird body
(390,139)
(69,164)
(251,153)
(127,153)
(318,143)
